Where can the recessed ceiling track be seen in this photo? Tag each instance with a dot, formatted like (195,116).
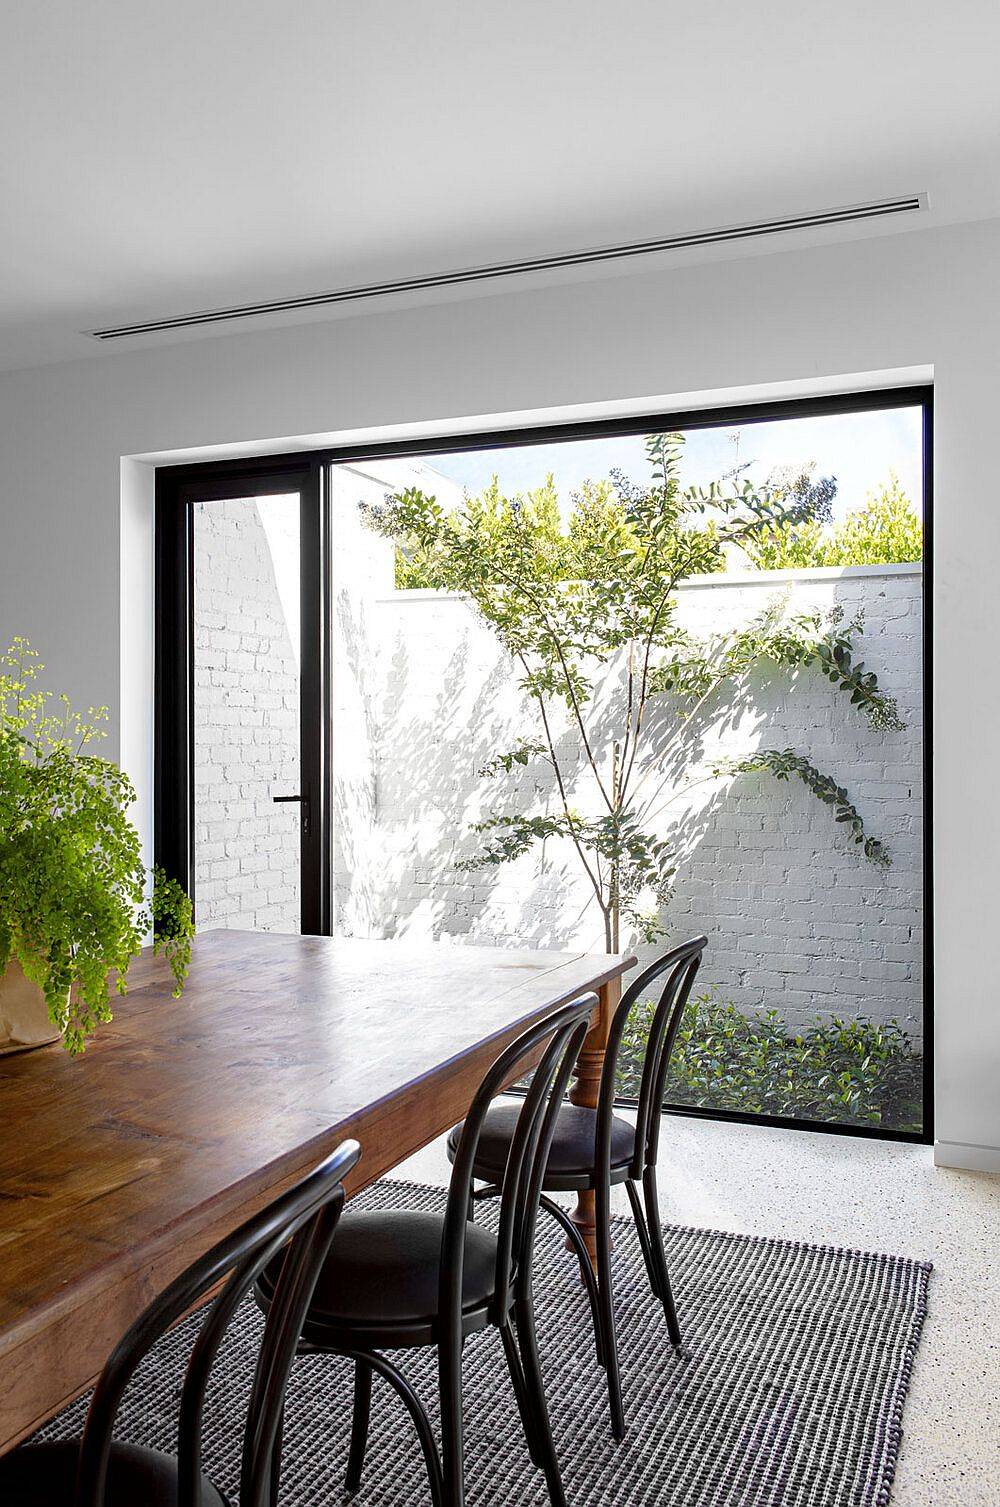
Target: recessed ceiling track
(851,214)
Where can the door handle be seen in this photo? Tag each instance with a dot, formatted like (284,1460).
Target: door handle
(302,800)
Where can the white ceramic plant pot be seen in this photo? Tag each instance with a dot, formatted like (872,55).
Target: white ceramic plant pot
(24,1015)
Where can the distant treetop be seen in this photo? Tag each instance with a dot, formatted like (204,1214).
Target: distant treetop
(885,531)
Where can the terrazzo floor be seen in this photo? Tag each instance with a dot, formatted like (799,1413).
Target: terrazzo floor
(870,1195)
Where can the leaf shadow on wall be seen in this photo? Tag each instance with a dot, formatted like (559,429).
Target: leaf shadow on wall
(757,860)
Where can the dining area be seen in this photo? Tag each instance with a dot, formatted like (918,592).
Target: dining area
(333,1166)
(223,1284)
(493,603)
(293,1073)
(212,1293)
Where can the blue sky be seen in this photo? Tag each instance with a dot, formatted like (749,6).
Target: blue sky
(858,449)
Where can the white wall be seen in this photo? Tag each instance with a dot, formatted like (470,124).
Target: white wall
(246,713)
(364,572)
(910,301)
(797,920)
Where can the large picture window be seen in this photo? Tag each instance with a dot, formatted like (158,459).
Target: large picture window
(604,686)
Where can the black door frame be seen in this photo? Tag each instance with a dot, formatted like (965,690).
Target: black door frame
(172,843)
(177,489)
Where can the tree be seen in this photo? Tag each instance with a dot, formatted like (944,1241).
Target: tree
(886,531)
(586,607)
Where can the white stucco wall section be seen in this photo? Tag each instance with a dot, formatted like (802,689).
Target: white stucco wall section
(796,319)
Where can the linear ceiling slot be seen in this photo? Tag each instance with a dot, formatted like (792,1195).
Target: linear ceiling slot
(852,214)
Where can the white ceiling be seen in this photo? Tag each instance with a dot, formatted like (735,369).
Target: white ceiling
(159,159)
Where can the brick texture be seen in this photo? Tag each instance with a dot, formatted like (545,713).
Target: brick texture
(797,920)
(246,715)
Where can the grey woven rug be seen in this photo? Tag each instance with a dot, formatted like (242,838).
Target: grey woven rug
(789,1392)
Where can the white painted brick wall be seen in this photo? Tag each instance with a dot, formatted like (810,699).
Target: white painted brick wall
(246,727)
(422,698)
(797,921)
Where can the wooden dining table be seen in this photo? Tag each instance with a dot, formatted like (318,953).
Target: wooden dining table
(183,1117)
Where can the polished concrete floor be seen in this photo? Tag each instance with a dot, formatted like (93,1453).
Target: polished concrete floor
(871,1195)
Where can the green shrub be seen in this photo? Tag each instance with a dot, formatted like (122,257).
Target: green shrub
(852,1072)
(885,531)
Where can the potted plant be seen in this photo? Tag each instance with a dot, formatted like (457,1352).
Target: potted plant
(75,903)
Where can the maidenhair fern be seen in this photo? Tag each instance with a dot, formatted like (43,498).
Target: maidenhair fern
(73,888)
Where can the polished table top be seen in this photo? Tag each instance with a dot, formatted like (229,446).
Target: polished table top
(183,1116)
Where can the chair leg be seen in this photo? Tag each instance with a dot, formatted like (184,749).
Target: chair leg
(535,1394)
(607,1306)
(521,1394)
(276,1460)
(576,1240)
(452,1448)
(662,1289)
(418,1413)
(359,1424)
(640,1226)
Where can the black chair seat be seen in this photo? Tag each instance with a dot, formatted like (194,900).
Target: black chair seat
(384,1269)
(572,1156)
(44,1475)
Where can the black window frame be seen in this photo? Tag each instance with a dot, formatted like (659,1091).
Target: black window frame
(173,811)
(178,489)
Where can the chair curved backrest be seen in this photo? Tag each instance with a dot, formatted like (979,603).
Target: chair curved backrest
(554,1044)
(671,977)
(304,1218)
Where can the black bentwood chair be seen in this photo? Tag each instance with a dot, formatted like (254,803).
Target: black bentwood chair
(594,1149)
(400,1279)
(96,1472)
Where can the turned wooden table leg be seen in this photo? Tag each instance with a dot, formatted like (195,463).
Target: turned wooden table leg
(584,1090)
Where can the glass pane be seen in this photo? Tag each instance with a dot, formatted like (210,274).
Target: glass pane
(490,697)
(246,713)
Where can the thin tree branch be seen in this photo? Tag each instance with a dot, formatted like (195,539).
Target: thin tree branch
(553,759)
(672,738)
(539,607)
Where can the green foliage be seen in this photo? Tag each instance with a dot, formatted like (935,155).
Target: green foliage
(783,763)
(171,917)
(824,642)
(72,882)
(524,750)
(421,565)
(642,863)
(587,599)
(886,531)
(849,1072)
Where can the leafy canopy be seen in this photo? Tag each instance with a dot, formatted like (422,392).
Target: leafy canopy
(886,531)
(590,599)
(72,882)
